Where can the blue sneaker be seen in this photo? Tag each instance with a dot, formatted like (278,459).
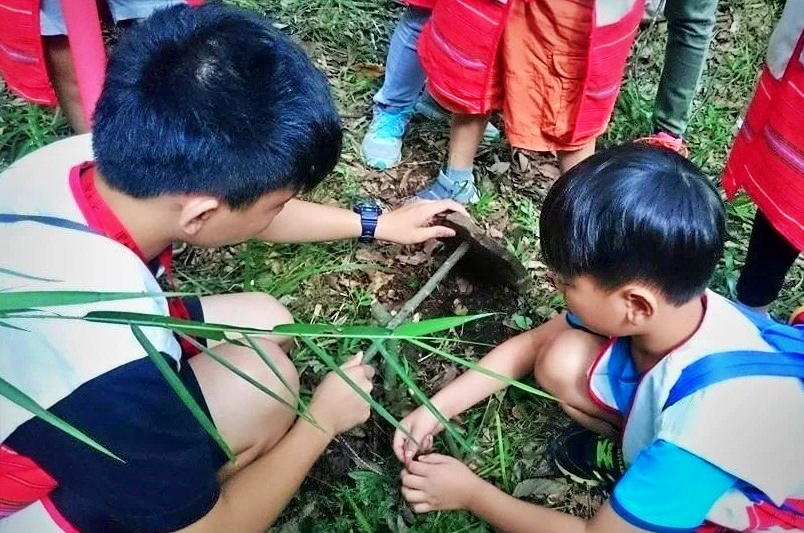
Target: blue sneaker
(382,145)
(427,107)
(445,187)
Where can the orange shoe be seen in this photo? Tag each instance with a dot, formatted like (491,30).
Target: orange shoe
(666,140)
(796,317)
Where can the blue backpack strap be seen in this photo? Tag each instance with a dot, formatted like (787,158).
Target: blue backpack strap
(787,361)
(727,365)
(6,218)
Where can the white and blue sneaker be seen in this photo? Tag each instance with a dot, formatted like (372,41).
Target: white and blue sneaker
(446,187)
(382,145)
(427,107)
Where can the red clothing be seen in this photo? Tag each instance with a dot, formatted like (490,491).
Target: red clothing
(767,158)
(424,4)
(22,59)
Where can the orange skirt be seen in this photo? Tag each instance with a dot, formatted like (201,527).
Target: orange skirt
(554,74)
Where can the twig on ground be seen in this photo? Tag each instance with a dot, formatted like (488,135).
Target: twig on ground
(410,306)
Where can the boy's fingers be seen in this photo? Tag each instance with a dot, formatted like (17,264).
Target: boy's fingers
(357,359)
(399,445)
(432,458)
(414,495)
(411,449)
(427,443)
(423,507)
(439,206)
(418,467)
(369,370)
(440,232)
(412,481)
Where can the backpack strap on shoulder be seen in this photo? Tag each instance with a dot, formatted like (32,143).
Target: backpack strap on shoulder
(786,361)
(728,365)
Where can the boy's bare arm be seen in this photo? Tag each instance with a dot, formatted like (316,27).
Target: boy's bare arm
(514,358)
(253,498)
(512,515)
(301,221)
(438,482)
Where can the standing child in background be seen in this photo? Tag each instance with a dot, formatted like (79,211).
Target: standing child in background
(633,235)
(689,32)
(767,162)
(553,67)
(35,57)
(402,92)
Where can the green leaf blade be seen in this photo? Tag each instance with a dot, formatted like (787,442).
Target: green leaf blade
(16,396)
(178,387)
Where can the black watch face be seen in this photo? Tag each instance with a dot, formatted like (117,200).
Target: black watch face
(368,207)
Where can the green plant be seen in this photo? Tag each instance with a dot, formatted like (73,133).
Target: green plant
(25,305)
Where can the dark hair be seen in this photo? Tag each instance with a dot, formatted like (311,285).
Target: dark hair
(213,100)
(635,213)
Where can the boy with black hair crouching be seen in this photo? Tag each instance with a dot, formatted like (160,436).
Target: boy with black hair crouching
(210,122)
(707,396)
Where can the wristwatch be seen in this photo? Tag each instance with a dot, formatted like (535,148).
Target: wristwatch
(369,213)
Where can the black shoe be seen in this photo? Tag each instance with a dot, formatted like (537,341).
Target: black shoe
(587,458)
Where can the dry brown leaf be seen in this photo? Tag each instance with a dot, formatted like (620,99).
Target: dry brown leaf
(414,259)
(495,233)
(369,70)
(522,161)
(430,246)
(378,281)
(371,255)
(549,171)
(540,487)
(500,167)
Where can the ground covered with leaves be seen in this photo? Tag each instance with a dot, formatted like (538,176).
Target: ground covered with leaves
(354,487)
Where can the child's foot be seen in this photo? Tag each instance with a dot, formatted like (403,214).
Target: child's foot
(667,140)
(587,458)
(429,109)
(382,145)
(446,187)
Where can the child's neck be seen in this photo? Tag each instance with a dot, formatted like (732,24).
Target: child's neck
(147,221)
(673,327)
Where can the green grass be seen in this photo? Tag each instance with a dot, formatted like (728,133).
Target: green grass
(24,128)
(330,283)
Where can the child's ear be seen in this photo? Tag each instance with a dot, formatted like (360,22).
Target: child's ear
(640,304)
(195,211)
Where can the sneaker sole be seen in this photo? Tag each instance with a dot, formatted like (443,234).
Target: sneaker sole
(376,164)
(591,483)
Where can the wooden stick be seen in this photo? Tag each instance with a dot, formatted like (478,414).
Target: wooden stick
(410,306)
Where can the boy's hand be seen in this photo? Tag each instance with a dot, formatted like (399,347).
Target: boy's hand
(438,483)
(423,426)
(410,224)
(335,406)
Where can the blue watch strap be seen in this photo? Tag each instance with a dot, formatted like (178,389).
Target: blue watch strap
(369,215)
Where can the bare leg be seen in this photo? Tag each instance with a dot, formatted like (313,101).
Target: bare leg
(250,421)
(465,136)
(62,76)
(251,310)
(568,159)
(562,369)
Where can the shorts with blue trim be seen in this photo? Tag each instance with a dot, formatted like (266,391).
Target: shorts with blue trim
(52,19)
